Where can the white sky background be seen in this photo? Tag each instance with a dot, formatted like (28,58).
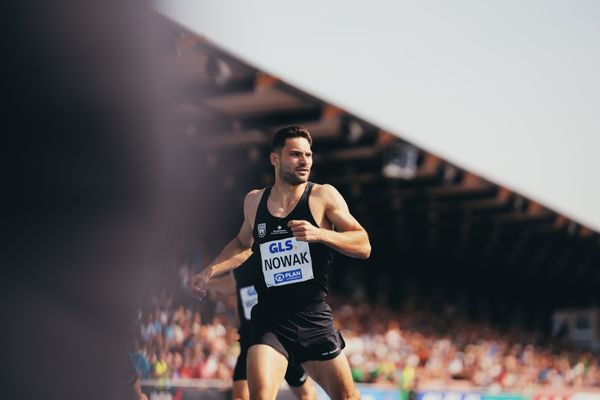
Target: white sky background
(509,90)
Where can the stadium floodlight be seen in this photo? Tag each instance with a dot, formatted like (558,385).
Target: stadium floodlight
(400,161)
(450,174)
(219,71)
(355,131)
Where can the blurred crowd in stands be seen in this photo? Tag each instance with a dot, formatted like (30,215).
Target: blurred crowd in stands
(417,346)
(178,337)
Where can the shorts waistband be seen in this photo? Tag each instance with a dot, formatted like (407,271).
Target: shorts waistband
(316,306)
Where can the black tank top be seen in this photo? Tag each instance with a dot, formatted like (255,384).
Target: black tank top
(245,277)
(293,274)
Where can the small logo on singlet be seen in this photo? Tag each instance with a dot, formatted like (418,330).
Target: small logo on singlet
(262,230)
(279,231)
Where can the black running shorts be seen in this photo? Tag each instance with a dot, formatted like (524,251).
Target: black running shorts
(295,375)
(307,335)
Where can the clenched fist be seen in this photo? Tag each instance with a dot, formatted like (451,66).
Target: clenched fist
(304,231)
(198,284)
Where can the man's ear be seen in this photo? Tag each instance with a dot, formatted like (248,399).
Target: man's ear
(274,158)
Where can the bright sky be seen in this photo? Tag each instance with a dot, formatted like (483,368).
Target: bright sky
(509,90)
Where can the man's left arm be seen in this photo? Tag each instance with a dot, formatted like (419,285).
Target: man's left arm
(349,237)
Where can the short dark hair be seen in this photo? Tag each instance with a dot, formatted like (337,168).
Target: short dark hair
(288,132)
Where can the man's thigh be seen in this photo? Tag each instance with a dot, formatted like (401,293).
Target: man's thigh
(239,391)
(306,391)
(266,370)
(333,376)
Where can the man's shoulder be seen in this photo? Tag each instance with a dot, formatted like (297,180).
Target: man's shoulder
(254,194)
(324,190)
(328,195)
(253,198)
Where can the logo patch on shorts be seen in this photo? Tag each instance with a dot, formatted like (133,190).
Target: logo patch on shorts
(287,276)
(330,352)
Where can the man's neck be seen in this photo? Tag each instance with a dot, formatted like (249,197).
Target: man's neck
(286,194)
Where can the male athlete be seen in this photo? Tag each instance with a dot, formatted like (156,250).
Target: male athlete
(242,284)
(293,226)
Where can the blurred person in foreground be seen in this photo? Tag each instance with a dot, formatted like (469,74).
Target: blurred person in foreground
(294,226)
(81,195)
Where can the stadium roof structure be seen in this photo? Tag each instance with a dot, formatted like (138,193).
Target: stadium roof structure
(433,220)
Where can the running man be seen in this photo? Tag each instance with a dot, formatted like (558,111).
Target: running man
(294,226)
(242,284)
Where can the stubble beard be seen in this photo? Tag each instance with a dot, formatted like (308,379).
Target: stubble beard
(292,179)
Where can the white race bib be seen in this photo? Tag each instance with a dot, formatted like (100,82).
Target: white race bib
(285,261)
(249,300)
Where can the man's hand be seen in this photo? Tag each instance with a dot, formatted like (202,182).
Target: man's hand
(138,394)
(198,284)
(304,231)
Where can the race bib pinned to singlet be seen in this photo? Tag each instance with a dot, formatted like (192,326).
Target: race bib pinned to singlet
(249,299)
(285,261)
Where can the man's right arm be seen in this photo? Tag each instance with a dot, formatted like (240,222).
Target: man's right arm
(234,254)
(222,284)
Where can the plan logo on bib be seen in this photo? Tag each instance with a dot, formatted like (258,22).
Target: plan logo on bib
(293,275)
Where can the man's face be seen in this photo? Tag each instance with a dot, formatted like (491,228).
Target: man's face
(293,161)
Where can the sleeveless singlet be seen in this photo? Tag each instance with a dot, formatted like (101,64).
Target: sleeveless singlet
(293,274)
